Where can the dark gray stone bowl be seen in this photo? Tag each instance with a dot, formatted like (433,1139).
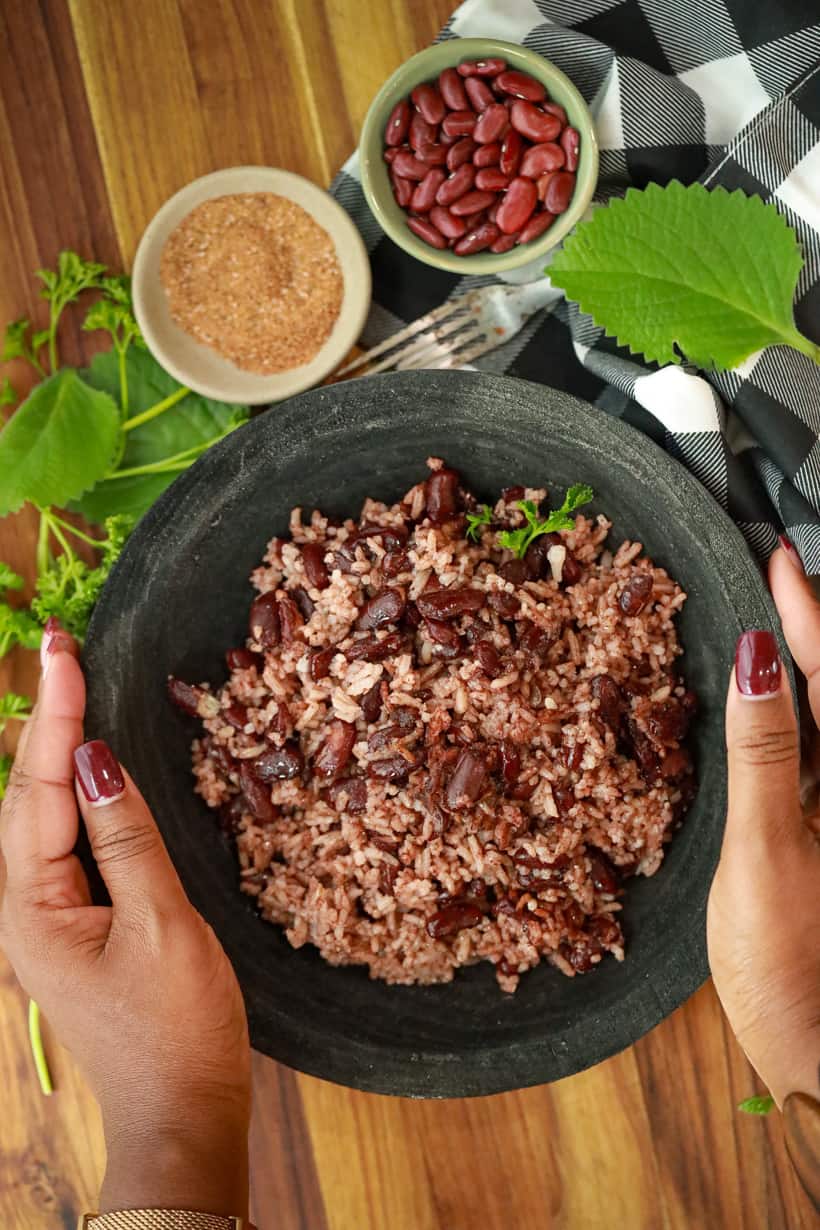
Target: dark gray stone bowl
(180,595)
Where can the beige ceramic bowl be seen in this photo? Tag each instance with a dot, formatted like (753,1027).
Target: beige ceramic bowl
(200,367)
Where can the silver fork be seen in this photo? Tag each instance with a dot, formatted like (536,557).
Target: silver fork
(460,330)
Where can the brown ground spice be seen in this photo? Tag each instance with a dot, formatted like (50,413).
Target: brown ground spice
(255,277)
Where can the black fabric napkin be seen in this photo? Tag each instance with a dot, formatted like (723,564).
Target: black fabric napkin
(723,91)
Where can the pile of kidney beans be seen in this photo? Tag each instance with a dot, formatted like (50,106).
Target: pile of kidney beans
(481,158)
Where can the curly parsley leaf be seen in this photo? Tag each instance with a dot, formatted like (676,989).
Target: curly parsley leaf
(8,393)
(9,579)
(13,707)
(17,627)
(682,270)
(757,1106)
(20,343)
(114,313)
(519,540)
(69,588)
(476,520)
(72,276)
(5,771)
(61,441)
(181,433)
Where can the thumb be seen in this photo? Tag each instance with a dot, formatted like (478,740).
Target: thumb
(763,747)
(125,841)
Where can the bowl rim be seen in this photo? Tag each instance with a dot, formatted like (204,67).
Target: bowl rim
(484,1069)
(470,48)
(256,389)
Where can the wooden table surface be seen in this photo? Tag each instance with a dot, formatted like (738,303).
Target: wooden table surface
(107,107)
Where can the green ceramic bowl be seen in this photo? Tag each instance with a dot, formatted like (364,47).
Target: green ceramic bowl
(426,66)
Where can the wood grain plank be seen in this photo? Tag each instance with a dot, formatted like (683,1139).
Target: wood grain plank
(142,94)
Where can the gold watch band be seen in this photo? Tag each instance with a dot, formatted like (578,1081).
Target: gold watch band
(160,1219)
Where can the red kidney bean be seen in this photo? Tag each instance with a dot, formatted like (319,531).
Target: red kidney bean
(536,226)
(191,698)
(429,102)
(453,918)
(257,795)
(279,764)
(504,244)
(533,123)
(555,109)
(514,570)
(402,190)
(421,133)
(456,185)
(424,197)
(520,85)
(487,155)
(371,649)
(447,223)
(516,207)
(512,147)
(290,619)
(491,123)
(446,138)
(482,68)
(408,166)
(385,607)
(390,153)
(445,637)
(635,594)
(490,179)
(493,210)
(451,88)
(570,144)
(459,123)
(601,871)
(460,153)
(488,659)
(334,753)
(610,700)
(398,123)
(304,602)
(313,559)
(510,762)
(356,790)
(559,191)
(371,702)
(242,659)
(434,155)
(467,782)
(319,663)
(479,93)
(505,604)
(539,159)
(449,603)
(441,495)
(543,183)
(264,620)
(426,231)
(472,202)
(390,769)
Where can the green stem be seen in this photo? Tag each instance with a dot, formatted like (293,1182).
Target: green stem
(158,467)
(805,346)
(53,321)
(59,535)
(37,1049)
(156,410)
(72,529)
(42,544)
(123,379)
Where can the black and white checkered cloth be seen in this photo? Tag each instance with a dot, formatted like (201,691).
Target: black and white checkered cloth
(722,91)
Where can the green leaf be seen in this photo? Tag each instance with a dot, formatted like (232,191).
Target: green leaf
(5,770)
(58,444)
(682,270)
(13,707)
(15,341)
(476,520)
(18,627)
(559,519)
(195,421)
(756,1106)
(9,579)
(8,393)
(72,276)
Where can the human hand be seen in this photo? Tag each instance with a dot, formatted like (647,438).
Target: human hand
(141,991)
(763,921)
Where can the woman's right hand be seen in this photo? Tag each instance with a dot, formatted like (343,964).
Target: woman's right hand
(763,919)
(141,991)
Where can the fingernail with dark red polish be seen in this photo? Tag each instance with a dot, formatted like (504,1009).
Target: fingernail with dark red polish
(50,631)
(98,772)
(757,665)
(792,554)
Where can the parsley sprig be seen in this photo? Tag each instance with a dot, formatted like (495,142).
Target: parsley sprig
(519,540)
(476,520)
